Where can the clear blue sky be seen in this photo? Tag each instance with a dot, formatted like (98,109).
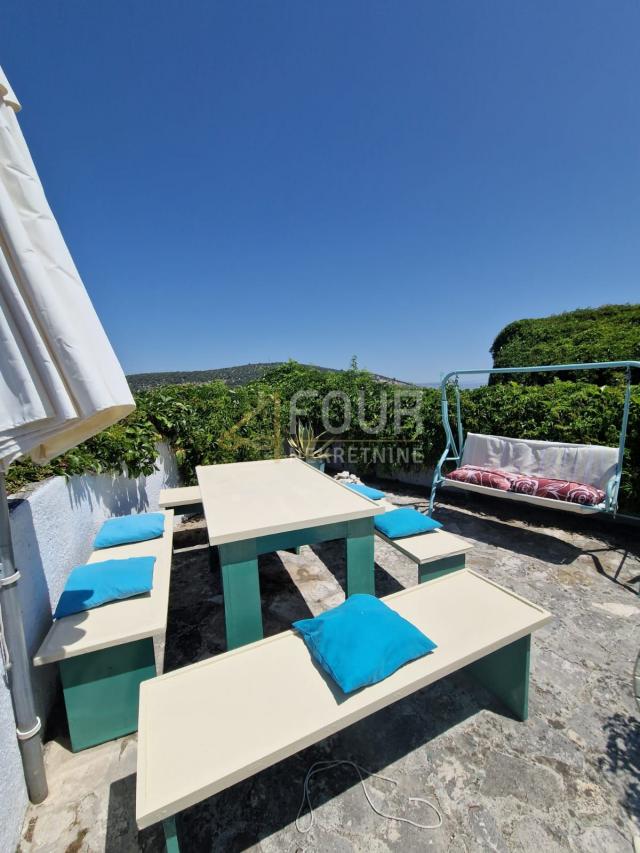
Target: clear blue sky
(253,181)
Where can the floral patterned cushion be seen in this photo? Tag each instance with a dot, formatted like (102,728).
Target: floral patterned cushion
(559,490)
(502,480)
(541,487)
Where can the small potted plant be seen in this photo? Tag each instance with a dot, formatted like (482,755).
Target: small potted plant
(306,445)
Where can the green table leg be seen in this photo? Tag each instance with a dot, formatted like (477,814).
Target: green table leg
(171,835)
(360,559)
(241,590)
(101,691)
(440,568)
(505,673)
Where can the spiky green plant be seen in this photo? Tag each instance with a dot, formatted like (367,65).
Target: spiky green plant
(306,444)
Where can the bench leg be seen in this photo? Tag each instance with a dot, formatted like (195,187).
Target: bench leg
(439,568)
(101,691)
(211,556)
(505,673)
(241,590)
(360,557)
(171,835)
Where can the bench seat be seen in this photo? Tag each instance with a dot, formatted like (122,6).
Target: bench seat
(435,553)
(186,498)
(104,653)
(119,621)
(209,725)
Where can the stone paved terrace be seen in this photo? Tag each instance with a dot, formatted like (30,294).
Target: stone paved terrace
(568,779)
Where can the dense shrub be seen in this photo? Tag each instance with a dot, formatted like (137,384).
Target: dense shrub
(609,333)
(212,423)
(129,445)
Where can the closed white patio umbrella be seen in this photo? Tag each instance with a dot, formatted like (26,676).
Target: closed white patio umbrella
(60,381)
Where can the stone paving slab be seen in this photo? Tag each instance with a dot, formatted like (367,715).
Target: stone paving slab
(569,779)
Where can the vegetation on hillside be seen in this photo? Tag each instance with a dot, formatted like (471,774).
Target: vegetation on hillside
(240,374)
(234,377)
(608,333)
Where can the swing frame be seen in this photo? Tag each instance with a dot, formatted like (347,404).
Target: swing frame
(454,448)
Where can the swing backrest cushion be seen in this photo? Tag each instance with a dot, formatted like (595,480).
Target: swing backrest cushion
(575,463)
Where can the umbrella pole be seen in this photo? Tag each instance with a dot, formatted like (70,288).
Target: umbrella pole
(16,662)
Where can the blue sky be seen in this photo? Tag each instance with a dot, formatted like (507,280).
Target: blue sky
(254,181)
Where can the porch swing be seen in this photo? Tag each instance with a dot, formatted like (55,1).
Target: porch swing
(578,478)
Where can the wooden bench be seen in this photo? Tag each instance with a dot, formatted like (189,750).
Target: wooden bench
(209,725)
(105,653)
(435,554)
(181,499)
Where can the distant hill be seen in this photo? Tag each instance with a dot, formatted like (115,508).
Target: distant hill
(608,333)
(241,374)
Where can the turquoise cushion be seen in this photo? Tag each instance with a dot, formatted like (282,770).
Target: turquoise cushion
(367,491)
(362,641)
(130,528)
(404,522)
(97,583)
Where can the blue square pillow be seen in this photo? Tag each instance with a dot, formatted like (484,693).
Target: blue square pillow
(97,583)
(362,641)
(404,522)
(130,528)
(367,491)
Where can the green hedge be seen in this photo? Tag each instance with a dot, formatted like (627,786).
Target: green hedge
(609,333)
(212,423)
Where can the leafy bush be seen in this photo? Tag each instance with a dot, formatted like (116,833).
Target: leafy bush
(126,447)
(212,423)
(609,333)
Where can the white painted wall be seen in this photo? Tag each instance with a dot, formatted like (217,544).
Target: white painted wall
(53,526)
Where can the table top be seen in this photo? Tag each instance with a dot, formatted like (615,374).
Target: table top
(207,726)
(244,500)
(119,621)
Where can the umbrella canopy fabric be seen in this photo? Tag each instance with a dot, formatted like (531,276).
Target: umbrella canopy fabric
(60,381)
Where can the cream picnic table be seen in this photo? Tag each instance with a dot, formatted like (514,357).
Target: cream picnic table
(254,508)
